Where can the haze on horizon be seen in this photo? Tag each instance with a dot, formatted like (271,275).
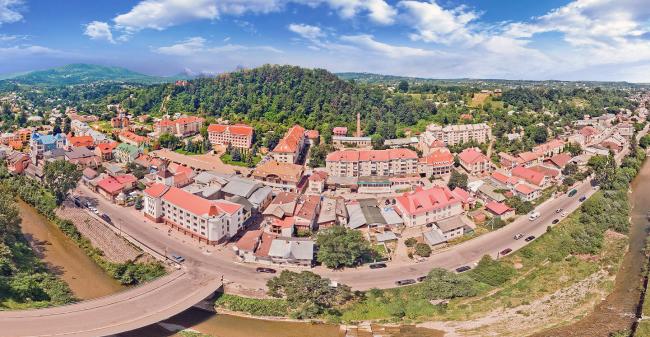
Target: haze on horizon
(605,40)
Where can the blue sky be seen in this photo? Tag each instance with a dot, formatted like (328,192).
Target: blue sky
(513,39)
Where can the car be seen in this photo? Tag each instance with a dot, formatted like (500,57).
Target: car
(463,269)
(564,214)
(377,265)
(404,282)
(573,192)
(518,236)
(265,270)
(555,221)
(559,210)
(582,198)
(530,238)
(178,258)
(106,218)
(534,215)
(421,278)
(505,251)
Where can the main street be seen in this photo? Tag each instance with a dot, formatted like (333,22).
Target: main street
(221,261)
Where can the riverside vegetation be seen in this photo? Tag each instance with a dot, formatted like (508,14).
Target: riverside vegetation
(589,243)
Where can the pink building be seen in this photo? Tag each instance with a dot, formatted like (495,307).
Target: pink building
(423,207)
(474,162)
(238,135)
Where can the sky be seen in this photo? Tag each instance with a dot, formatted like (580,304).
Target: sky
(510,39)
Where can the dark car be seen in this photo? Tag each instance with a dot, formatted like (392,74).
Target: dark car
(555,221)
(404,282)
(530,238)
(377,265)
(107,218)
(573,192)
(421,278)
(265,270)
(506,251)
(463,269)
(178,258)
(582,198)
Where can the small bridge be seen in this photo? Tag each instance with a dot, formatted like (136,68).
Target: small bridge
(128,310)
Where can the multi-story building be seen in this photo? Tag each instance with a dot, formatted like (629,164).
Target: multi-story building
(425,207)
(356,163)
(456,134)
(126,153)
(290,147)
(550,148)
(121,121)
(39,144)
(341,142)
(474,162)
(132,138)
(210,221)
(280,176)
(238,135)
(437,163)
(182,127)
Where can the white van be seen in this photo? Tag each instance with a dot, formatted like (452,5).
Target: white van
(534,215)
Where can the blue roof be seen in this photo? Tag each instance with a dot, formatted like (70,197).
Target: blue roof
(47,139)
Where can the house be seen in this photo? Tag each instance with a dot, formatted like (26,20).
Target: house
(238,135)
(367,213)
(39,144)
(290,147)
(502,180)
(550,148)
(499,209)
(332,213)
(340,131)
(79,141)
(465,197)
(181,127)
(126,153)
(474,162)
(280,176)
(529,175)
(292,251)
(111,186)
(105,150)
(422,207)
(17,162)
(488,192)
(454,227)
(282,206)
(82,156)
(131,138)
(316,182)
(307,213)
(437,163)
(625,129)
(209,221)
(527,192)
(558,161)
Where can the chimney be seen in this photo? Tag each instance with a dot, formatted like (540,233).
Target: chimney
(359,134)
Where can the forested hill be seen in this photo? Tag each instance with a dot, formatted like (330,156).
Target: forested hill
(281,96)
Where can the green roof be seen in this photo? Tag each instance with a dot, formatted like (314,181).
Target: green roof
(131,149)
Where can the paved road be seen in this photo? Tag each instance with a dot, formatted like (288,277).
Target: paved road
(124,311)
(210,259)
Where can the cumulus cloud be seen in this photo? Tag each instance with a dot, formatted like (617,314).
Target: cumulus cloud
(10,11)
(369,43)
(433,23)
(308,32)
(198,45)
(98,30)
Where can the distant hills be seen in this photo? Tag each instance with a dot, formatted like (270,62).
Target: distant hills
(75,74)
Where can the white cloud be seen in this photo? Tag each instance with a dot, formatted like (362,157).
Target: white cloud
(161,14)
(369,43)
(98,30)
(10,11)
(197,45)
(434,23)
(307,31)
(28,50)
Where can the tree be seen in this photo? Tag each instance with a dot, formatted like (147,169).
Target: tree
(492,272)
(67,124)
(570,169)
(341,247)
(422,249)
(403,86)
(410,242)
(168,141)
(443,284)
(60,177)
(520,206)
(138,203)
(236,154)
(573,148)
(644,142)
(457,179)
(307,293)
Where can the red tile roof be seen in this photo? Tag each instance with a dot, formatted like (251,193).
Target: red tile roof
(422,201)
(111,185)
(107,147)
(560,160)
(156,190)
(529,175)
(497,207)
(192,203)
(312,134)
(502,178)
(524,189)
(340,130)
(372,155)
(291,140)
(237,129)
(546,171)
(249,240)
(78,141)
(472,156)
(441,157)
(588,131)
(318,176)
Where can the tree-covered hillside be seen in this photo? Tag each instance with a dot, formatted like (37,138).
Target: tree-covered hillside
(281,96)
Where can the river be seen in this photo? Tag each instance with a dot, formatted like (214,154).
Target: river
(618,311)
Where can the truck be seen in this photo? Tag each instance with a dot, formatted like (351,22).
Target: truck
(534,215)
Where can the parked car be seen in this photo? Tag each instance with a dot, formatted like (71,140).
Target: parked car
(265,270)
(530,238)
(559,210)
(463,269)
(534,215)
(404,282)
(178,258)
(106,218)
(573,192)
(506,251)
(555,221)
(421,278)
(377,265)
(518,236)
(582,198)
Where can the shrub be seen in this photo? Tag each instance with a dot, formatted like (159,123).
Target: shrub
(423,249)
(410,242)
(492,272)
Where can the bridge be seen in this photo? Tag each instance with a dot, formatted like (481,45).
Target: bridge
(128,310)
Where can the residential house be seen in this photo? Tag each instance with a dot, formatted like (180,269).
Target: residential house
(83,157)
(423,207)
(474,162)
(499,209)
(111,186)
(280,176)
(105,150)
(527,192)
(529,175)
(39,144)
(126,153)
(131,138)
(316,182)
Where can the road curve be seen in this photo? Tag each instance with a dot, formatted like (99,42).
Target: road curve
(127,310)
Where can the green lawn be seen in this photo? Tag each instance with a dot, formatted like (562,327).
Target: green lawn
(227,159)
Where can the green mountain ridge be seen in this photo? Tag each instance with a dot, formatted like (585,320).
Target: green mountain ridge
(79,73)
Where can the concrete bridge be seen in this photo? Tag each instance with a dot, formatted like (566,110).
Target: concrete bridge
(128,310)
